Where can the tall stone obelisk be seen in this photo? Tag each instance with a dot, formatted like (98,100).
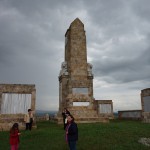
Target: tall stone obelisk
(76,78)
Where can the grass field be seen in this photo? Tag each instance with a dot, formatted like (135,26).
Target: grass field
(116,135)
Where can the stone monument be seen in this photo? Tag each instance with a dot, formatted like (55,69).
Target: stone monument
(76,79)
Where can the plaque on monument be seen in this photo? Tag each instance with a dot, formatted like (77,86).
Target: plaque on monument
(13,103)
(105,108)
(80,103)
(80,90)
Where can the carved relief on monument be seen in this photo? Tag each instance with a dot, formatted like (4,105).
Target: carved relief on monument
(63,70)
(89,68)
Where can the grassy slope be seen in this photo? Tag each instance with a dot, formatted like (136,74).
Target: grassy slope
(117,135)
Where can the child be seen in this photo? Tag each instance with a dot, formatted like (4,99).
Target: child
(14,136)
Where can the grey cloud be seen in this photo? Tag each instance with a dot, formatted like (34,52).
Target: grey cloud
(32,42)
(123,70)
(141,8)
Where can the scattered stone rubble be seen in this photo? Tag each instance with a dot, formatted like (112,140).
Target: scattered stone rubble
(145,141)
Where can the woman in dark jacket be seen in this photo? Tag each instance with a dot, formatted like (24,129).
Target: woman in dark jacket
(71,132)
(65,113)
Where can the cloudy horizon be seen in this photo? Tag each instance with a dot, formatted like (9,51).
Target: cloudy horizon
(32,41)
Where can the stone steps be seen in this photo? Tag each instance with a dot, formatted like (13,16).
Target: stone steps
(84,113)
(86,120)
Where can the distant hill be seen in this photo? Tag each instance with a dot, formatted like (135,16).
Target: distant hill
(116,114)
(43,112)
(52,113)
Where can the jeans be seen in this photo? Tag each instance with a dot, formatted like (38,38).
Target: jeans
(29,126)
(72,145)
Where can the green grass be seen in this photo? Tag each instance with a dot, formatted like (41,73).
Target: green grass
(116,135)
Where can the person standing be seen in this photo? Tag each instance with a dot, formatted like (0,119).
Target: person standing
(14,137)
(71,133)
(47,117)
(28,118)
(65,113)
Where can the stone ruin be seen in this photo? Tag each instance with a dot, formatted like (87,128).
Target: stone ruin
(145,101)
(76,81)
(130,114)
(15,100)
(143,114)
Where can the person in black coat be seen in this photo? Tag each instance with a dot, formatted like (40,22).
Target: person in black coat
(71,132)
(65,113)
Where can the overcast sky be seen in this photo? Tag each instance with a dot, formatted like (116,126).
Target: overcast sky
(118,46)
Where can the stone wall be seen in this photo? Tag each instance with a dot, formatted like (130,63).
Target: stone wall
(7,120)
(145,102)
(130,114)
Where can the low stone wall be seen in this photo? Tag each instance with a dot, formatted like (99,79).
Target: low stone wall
(7,120)
(45,118)
(130,114)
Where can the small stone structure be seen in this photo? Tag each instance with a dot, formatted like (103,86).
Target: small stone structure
(6,117)
(104,108)
(130,114)
(145,101)
(76,80)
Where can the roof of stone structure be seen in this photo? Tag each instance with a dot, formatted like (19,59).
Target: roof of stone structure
(77,21)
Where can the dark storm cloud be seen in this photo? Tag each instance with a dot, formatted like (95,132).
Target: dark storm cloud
(121,41)
(141,8)
(32,44)
(124,69)
(29,46)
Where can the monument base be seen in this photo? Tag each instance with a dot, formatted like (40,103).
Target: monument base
(82,114)
(86,120)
